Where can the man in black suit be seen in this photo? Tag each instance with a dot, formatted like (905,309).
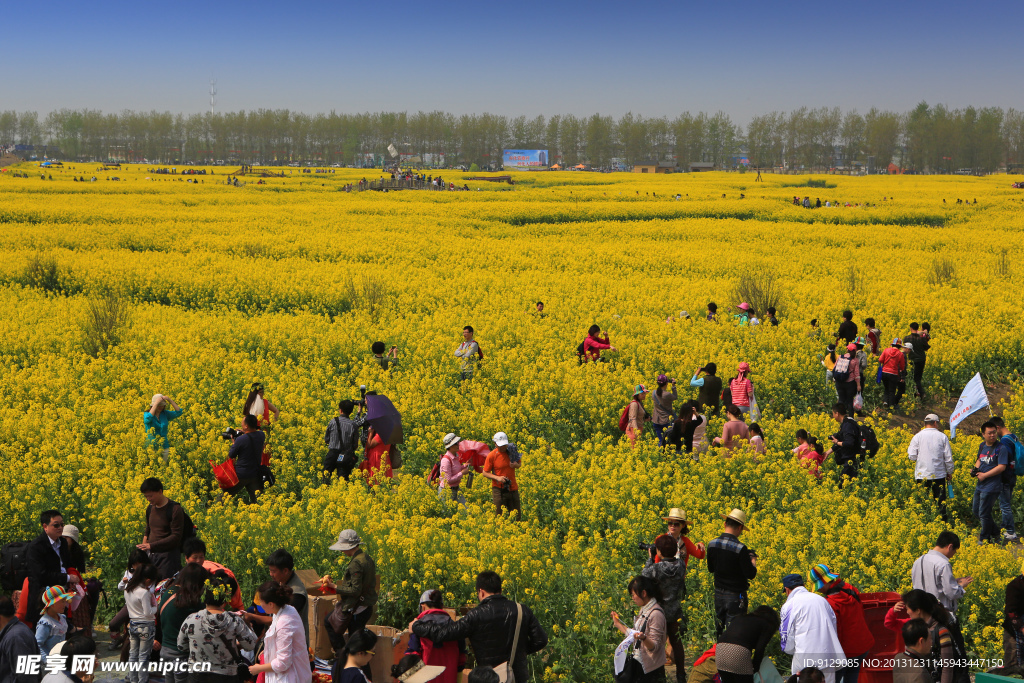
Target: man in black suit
(48,558)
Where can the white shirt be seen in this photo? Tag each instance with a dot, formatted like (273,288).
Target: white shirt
(931,451)
(286,649)
(141,604)
(56,548)
(808,631)
(933,573)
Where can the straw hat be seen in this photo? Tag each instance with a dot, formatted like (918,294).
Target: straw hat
(675,515)
(737,515)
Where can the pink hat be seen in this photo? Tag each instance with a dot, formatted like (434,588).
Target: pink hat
(744,306)
(743,367)
(851,347)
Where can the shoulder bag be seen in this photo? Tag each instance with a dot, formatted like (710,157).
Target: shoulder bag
(504,670)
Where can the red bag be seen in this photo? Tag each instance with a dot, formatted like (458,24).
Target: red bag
(624,418)
(265,458)
(225,474)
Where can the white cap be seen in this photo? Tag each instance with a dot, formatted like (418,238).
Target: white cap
(931,417)
(500,439)
(71,531)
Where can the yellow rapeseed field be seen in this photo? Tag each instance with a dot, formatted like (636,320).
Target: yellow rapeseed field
(290,282)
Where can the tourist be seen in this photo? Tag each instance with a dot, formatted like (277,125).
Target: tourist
(893,362)
(285,654)
(712,316)
(733,566)
(247,452)
(808,629)
(357,591)
(538,310)
(661,419)
(710,393)
(918,355)
(772,320)
(48,559)
(354,657)
(851,626)
(384,356)
(75,550)
(829,361)
(259,407)
(637,414)
(136,559)
(377,458)
(342,438)
(452,471)
(678,528)
(846,374)
(741,388)
(501,470)
(734,430)
(16,640)
(933,572)
(213,636)
(742,645)
(594,344)
(743,317)
(669,571)
(815,329)
(847,329)
(687,432)
(756,437)
(469,352)
(648,628)
(914,665)
(993,461)
(1009,441)
(165,528)
(177,602)
(933,458)
(845,442)
(874,335)
(862,356)
(141,605)
(52,626)
(450,656)
(948,651)
(155,421)
(491,628)
(281,567)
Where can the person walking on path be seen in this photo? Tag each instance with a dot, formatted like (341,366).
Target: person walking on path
(741,388)
(663,415)
(452,470)
(933,572)
(990,469)
(669,571)
(894,364)
(919,355)
(845,442)
(851,626)
(808,629)
(846,374)
(1009,441)
(155,421)
(733,566)
(709,394)
(741,647)
(932,456)
(648,630)
(501,470)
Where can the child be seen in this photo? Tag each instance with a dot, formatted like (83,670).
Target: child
(756,437)
(874,335)
(52,626)
(712,312)
(141,604)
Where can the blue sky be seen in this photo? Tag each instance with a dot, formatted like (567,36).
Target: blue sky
(524,57)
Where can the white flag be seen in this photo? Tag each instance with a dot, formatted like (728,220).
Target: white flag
(972,399)
(392,151)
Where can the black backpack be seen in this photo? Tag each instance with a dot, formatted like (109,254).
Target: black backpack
(868,442)
(14,565)
(189,528)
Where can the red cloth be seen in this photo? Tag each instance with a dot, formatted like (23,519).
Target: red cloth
(741,391)
(893,361)
(442,654)
(852,627)
(708,654)
(378,458)
(592,347)
(893,621)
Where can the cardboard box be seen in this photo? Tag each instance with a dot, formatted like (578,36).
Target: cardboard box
(391,644)
(319,642)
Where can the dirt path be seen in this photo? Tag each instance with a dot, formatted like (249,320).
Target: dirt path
(944,406)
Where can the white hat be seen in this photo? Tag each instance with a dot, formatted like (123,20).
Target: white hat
(71,531)
(500,439)
(930,417)
(347,540)
(421,672)
(450,440)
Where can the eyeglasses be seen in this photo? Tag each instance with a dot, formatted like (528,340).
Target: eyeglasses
(675,523)
(57,525)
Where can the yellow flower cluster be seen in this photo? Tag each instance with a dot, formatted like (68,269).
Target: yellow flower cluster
(290,282)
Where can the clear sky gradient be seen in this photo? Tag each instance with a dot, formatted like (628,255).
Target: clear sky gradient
(523,57)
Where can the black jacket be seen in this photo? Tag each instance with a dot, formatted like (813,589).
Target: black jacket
(919,353)
(847,331)
(848,447)
(247,450)
(1014,606)
(44,570)
(490,627)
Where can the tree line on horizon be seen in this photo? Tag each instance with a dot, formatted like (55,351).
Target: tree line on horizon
(928,139)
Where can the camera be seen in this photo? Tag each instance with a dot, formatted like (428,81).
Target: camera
(229,433)
(646,546)
(506,485)
(974,471)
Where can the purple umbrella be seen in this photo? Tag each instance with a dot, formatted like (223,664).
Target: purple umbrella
(384,418)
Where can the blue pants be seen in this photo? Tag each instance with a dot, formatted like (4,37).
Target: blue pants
(983,503)
(660,431)
(1006,508)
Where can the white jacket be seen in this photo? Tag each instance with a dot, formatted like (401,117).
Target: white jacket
(286,650)
(808,631)
(931,452)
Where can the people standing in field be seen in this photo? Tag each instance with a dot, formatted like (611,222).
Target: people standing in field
(141,605)
(649,629)
(259,407)
(501,470)
(384,357)
(933,572)
(990,469)
(741,389)
(688,430)
(377,458)
(155,421)
(342,439)
(829,361)
(756,437)
(772,319)
(734,430)
(932,456)
(847,329)
(874,335)
(669,571)
(918,355)
(894,366)
(743,317)
(948,650)
(247,452)
(637,415)
(452,471)
(741,647)
(165,528)
(846,374)
(1009,441)
(661,420)
(709,394)
(845,442)
(594,344)
(712,316)
(734,566)
(469,353)
(213,636)
(678,528)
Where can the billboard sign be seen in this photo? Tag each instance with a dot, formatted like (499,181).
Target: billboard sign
(525,159)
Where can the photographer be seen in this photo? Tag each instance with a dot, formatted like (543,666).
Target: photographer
(247,452)
(501,470)
(385,360)
(342,438)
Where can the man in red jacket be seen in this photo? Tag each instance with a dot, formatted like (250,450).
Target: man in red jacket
(852,628)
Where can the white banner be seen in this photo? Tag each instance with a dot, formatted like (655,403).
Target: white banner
(972,399)
(392,151)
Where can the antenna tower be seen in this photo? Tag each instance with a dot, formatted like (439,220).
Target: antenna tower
(213,94)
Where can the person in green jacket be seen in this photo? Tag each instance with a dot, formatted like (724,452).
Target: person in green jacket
(357,591)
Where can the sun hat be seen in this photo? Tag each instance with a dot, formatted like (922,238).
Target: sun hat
(450,440)
(662,379)
(743,367)
(821,575)
(792,581)
(500,439)
(737,515)
(55,593)
(860,341)
(744,306)
(71,531)
(640,389)
(421,672)
(897,342)
(347,540)
(930,417)
(851,347)
(675,515)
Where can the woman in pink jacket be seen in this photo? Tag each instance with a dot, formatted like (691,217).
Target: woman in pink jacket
(285,654)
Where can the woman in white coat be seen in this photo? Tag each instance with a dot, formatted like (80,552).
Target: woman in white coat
(285,654)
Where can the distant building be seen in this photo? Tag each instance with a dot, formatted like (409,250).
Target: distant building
(699,166)
(654,167)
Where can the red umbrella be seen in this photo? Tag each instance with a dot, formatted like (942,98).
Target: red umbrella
(473,453)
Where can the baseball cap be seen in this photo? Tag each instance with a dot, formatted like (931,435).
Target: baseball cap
(931,417)
(347,540)
(851,347)
(662,379)
(792,581)
(500,439)
(450,440)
